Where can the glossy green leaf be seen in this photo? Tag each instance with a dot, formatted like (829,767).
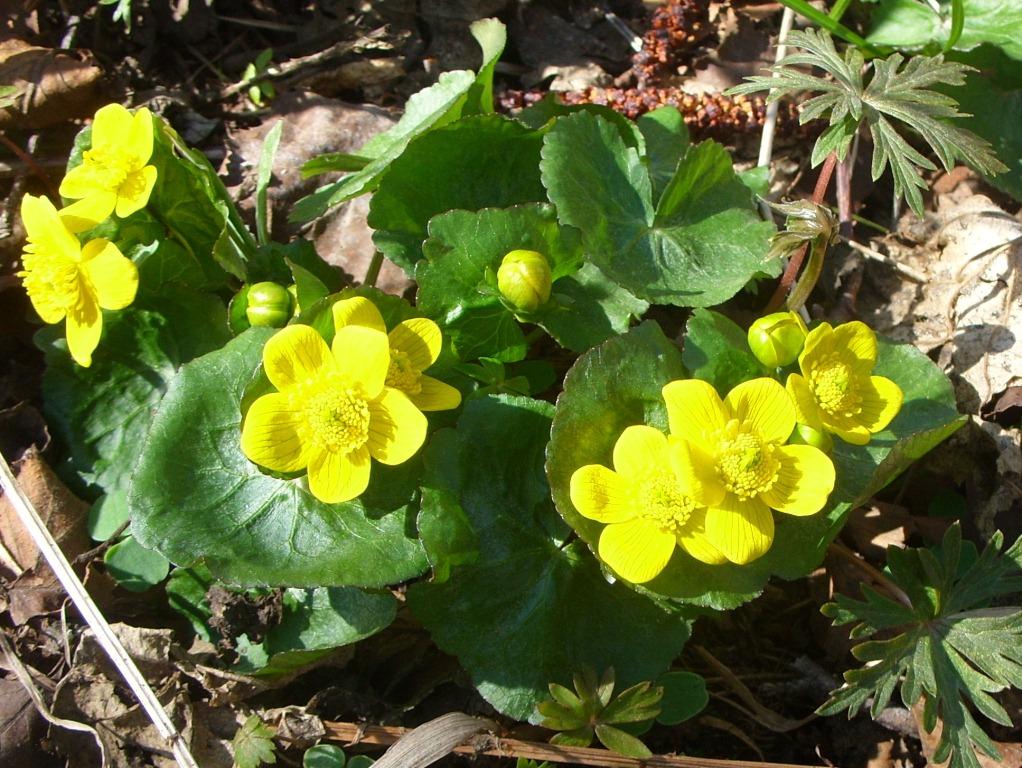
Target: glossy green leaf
(549,108)
(101,414)
(911,24)
(553,610)
(429,108)
(491,35)
(444,528)
(684,697)
(618,384)
(698,245)
(457,285)
(107,515)
(133,566)
(486,161)
(324,756)
(315,622)
(186,593)
(716,350)
(994,112)
(252,528)
(667,141)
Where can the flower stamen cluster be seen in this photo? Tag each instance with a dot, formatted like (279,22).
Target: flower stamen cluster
(63,278)
(836,390)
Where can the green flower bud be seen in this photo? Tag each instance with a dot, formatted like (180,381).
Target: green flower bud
(806,435)
(776,340)
(269,305)
(524,279)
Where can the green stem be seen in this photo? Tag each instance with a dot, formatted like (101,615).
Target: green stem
(534,335)
(839,9)
(831,25)
(373,273)
(800,292)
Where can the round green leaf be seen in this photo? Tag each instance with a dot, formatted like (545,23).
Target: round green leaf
(685,697)
(553,612)
(484,161)
(133,566)
(107,515)
(698,245)
(323,756)
(195,495)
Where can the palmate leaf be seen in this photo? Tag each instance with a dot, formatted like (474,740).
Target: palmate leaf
(955,648)
(895,92)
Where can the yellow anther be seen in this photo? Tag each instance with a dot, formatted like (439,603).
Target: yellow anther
(664,504)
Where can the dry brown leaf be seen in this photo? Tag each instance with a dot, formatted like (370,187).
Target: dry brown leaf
(20,725)
(1011,754)
(314,125)
(53,86)
(35,589)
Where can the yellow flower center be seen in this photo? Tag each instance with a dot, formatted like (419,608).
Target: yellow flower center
(114,170)
(51,280)
(664,504)
(402,375)
(833,384)
(745,464)
(338,419)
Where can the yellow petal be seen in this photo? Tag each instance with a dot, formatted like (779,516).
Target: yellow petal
(271,436)
(695,412)
(881,401)
(766,406)
(819,342)
(601,494)
(84,327)
(363,355)
(640,450)
(420,339)
(80,182)
(140,136)
(847,428)
(807,411)
(692,538)
(397,429)
(858,340)
(357,310)
(637,551)
(114,277)
(435,395)
(295,354)
(696,473)
(45,231)
(335,477)
(88,212)
(804,480)
(111,127)
(740,530)
(134,193)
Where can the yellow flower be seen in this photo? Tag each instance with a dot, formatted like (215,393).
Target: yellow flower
(332,411)
(742,440)
(65,280)
(836,391)
(113,175)
(653,500)
(414,347)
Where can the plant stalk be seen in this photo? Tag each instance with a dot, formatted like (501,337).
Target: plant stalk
(795,262)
